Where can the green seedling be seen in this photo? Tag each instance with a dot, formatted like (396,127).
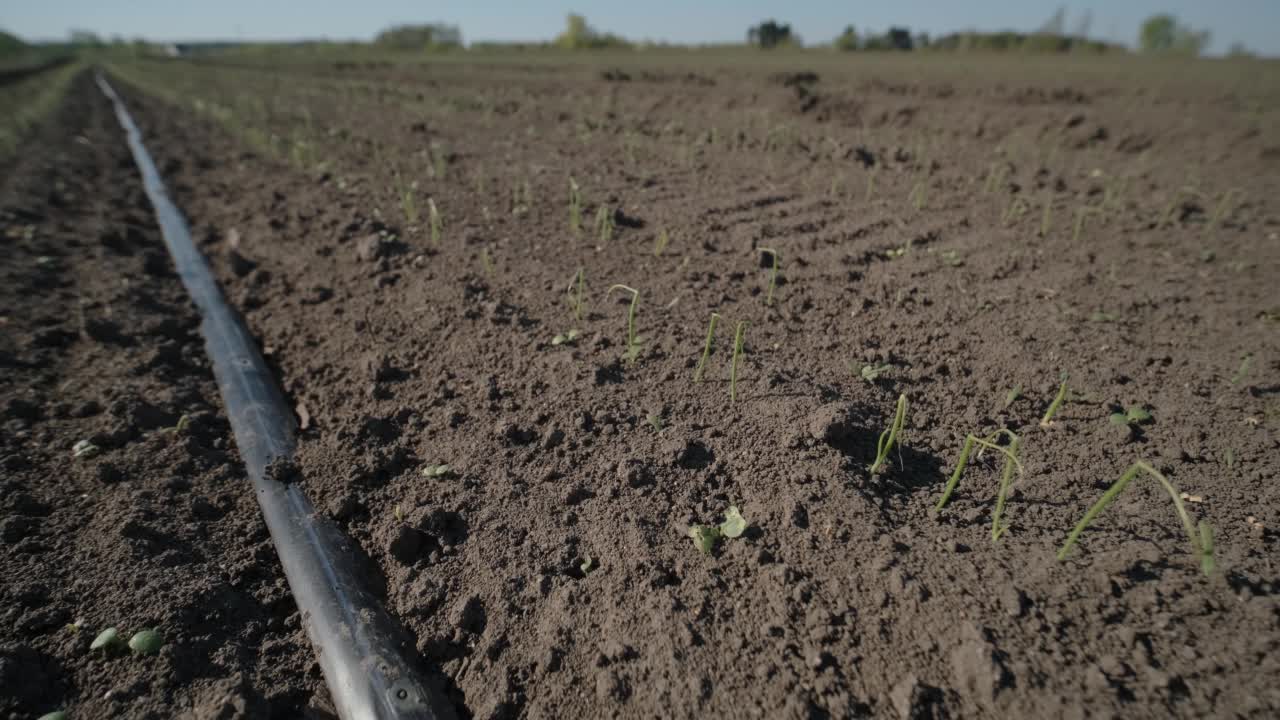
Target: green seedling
(890,435)
(108,640)
(486,262)
(575,207)
(145,642)
(1231,458)
(1014,211)
(1102,316)
(1133,415)
(1081,214)
(55,715)
(773,273)
(575,293)
(439,161)
(871,373)
(84,449)
(435,471)
(739,334)
(916,196)
(660,245)
(952,258)
(604,224)
(705,537)
(706,347)
(1046,215)
(633,341)
(1054,406)
(437,224)
(655,421)
(566,337)
(588,564)
(1223,208)
(398,511)
(1006,477)
(1201,537)
(1245,362)
(1011,397)
(408,204)
(995,176)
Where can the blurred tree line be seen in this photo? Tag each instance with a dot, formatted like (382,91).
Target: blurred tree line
(428,36)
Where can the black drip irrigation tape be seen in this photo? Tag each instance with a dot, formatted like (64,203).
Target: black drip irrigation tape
(365,657)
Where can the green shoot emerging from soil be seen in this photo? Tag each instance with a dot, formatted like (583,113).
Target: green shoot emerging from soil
(1011,461)
(433,214)
(575,207)
(773,273)
(1132,415)
(1201,538)
(890,435)
(1245,362)
(1223,208)
(408,204)
(660,245)
(706,347)
(916,196)
(575,293)
(739,335)
(871,373)
(633,342)
(705,537)
(1056,404)
(604,224)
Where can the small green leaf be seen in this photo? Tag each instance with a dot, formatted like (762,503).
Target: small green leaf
(588,564)
(734,525)
(558,340)
(1012,396)
(84,449)
(704,537)
(145,642)
(1137,414)
(106,640)
(1103,317)
(55,715)
(871,373)
(572,334)
(1119,419)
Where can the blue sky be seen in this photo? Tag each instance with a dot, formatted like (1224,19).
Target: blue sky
(1252,22)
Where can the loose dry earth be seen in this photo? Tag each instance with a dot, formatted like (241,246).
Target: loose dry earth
(549,573)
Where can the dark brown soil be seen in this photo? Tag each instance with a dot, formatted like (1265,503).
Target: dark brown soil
(847,596)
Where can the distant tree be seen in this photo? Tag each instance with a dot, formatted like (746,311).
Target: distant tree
(1083,25)
(900,38)
(770,34)
(1164,34)
(84,38)
(848,40)
(578,35)
(1239,51)
(420,37)
(10,44)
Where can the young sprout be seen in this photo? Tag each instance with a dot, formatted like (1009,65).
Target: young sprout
(575,207)
(1011,461)
(1201,540)
(145,642)
(565,337)
(408,204)
(739,335)
(575,293)
(706,536)
(773,273)
(1133,415)
(434,471)
(1057,403)
(1046,215)
(1223,208)
(587,565)
(1245,362)
(660,245)
(1011,396)
(890,435)
(1017,206)
(916,196)
(871,373)
(995,176)
(486,262)
(633,342)
(1081,213)
(107,640)
(604,224)
(706,347)
(439,160)
(436,223)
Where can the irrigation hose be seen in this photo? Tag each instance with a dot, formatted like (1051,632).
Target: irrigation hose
(364,655)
